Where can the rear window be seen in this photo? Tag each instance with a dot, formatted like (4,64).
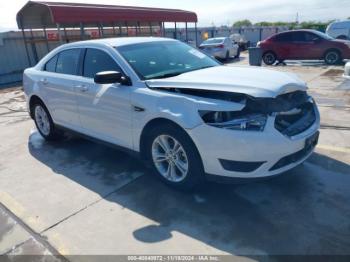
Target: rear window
(214,41)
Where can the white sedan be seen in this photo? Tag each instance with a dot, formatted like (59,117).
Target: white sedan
(180,110)
(347,70)
(220,47)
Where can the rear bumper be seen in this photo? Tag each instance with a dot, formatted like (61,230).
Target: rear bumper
(217,54)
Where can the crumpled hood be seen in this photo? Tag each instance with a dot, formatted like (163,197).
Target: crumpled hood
(253,81)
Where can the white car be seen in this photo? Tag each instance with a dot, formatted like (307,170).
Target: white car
(179,109)
(339,30)
(347,70)
(220,47)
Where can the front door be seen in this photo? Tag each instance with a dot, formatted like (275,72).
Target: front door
(104,109)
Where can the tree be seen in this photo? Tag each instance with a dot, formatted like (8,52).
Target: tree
(241,23)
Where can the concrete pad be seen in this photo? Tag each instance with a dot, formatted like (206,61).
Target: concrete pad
(43,183)
(303,211)
(11,233)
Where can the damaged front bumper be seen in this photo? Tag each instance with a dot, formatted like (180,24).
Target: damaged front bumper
(244,154)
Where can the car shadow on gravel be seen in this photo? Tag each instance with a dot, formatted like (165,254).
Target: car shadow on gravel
(303,212)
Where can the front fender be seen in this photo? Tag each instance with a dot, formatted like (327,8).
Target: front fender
(181,109)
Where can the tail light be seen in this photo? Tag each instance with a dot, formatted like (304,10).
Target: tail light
(220,46)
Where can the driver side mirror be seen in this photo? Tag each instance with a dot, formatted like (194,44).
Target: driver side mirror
(111,77)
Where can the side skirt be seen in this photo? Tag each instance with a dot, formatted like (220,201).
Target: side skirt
(128,151)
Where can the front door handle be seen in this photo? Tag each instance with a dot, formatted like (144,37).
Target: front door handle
(82,88)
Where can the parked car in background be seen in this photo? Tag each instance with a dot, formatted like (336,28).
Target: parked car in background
(339,30)
(304,45)
(347,70)
(183,112)
(240,40)
(220,47)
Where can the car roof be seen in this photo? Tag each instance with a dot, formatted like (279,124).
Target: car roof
(217,38)
(119,41)
(345,22)
(299,30)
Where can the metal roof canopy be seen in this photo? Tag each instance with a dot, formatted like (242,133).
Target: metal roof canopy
(38,15)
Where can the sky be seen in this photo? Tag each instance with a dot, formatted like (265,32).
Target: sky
(219,12)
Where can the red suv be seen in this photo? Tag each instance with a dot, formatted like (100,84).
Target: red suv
(304,45)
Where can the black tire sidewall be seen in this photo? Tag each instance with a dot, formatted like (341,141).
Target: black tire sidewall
(238,52)
(269,53)
(195,173)
(337,61)
(227,57)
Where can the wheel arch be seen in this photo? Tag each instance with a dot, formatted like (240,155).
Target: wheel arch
(332,49)
(34,99)
(150,125)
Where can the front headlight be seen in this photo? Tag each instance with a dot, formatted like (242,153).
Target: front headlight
(234,120)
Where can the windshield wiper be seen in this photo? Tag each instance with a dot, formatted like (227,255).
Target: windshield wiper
(167,75)
(178,73)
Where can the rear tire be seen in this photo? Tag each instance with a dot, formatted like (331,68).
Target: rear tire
(332,57)
(179,166)
(238,53)
(44,123)
(269,58)
(227,57)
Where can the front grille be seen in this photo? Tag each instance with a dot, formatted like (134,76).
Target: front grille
(297,120)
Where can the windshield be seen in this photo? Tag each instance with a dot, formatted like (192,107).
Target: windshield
(213,41)
(323,35)
(163,59)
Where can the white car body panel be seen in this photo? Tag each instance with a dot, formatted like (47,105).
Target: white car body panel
(339,29)
(253,81)
(347,70)
(106,112)
(213,51)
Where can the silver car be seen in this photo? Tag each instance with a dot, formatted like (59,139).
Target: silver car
(220,47)
(347,70)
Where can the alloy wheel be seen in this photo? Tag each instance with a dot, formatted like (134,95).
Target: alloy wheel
(332,57)
(170,158)
(42,120)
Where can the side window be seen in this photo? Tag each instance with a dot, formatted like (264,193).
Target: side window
(50,66)
(286,37)
(299,37)
(309,37)
(67,62)
(97,61)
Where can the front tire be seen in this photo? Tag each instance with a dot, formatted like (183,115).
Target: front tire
(332,57)
(269,58)
(174,157)
(44,123)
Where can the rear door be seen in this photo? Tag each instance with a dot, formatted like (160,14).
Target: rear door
(57,85)
(282,45)
(104,110)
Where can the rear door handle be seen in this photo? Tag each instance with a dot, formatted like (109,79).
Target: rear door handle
(82,88)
